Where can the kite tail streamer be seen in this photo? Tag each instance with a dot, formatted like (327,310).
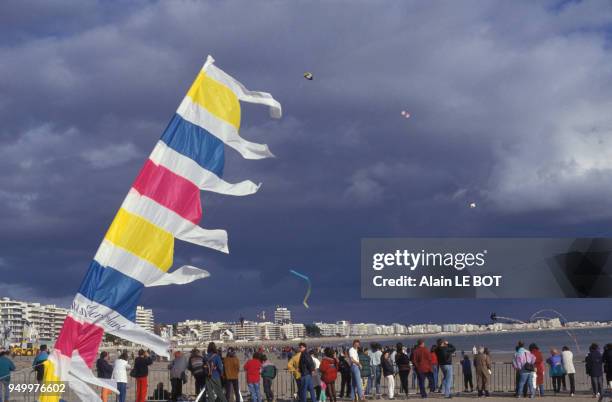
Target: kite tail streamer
(307,279)
(162,205)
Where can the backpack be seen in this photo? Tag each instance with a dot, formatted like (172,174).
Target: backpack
(528,366)
(209,365)
(269,371)
(198,366)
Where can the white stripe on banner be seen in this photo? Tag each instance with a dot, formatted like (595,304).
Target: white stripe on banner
(79,369)
(60,362)
(109,255)
(181,276)
(194,113)
(189,169)
(85,310)
(263,98)
(82,390)
(170,221)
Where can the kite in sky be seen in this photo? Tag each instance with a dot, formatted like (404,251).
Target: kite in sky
(307,279)
(163,204)
(308,75)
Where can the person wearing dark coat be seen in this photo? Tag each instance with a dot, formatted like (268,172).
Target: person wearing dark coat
(389,373)
(445,352)
(306,367)
(105,370)
(141,373)
(402,361)
(466,368)
(607,361)
(345,374)
(594,369)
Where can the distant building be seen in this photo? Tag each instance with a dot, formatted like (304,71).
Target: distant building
(195,330)
(269,331)
(292,331)
(248,330)
(327,329)
(31,322)
(282,315)
(343,328)
(145,318)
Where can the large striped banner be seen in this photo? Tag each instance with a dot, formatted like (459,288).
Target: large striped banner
(163,204)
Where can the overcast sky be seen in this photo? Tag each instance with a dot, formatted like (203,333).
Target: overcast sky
(510,103)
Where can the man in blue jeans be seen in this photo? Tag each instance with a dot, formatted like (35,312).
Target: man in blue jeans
(355,370)
(523,362)
(444,352)
(307,367)
(375,357)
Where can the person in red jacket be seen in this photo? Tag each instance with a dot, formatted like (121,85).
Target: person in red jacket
(253,370)
(539,366)
(329,373)
(435,369)
(421,358)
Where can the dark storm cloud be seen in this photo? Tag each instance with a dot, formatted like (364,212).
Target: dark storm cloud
(510,106)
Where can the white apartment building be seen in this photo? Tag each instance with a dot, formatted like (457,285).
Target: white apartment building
(144,318)
(195,330)
(292,331)
(399,329)
(327,329)
(424,329)
(343,328)
(31,322)
(269,331)
(282,315)
(245,331)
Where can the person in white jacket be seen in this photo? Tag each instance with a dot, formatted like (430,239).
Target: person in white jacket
(567,360)
(120,368)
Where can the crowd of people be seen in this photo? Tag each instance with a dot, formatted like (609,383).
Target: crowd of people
(358,369)
(361,370)
(216,376)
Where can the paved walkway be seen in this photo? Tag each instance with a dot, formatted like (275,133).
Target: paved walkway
(498,397)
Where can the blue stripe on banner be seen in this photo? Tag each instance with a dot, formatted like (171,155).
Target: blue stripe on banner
(195,143)
(111,288)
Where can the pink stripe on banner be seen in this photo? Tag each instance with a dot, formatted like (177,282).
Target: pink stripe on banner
(170,190)
(84,337)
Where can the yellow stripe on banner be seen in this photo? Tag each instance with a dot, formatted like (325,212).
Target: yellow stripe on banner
(142,238)
(215,97)
(50,378)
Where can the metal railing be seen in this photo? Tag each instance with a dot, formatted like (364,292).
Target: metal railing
(284,387)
